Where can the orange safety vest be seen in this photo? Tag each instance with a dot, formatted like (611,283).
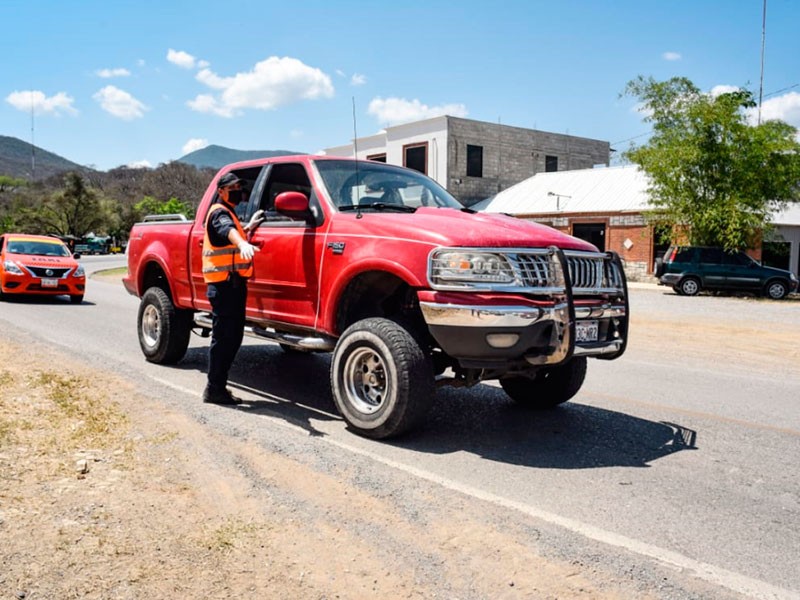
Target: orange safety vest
(220,261)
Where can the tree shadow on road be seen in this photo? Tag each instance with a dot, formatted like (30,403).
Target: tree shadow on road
(481,420)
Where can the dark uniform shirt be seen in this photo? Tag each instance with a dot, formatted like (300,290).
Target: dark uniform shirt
(219,226)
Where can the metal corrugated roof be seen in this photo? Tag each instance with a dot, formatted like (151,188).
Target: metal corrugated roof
(601,190)
(608,189)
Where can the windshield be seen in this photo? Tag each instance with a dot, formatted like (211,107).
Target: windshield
(37,248)
(378,186)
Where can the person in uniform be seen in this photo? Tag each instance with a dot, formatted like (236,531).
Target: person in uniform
(227,265)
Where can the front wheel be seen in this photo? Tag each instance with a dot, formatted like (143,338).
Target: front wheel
(550,386)
(76,299)
(382,380)
(163,329)
(777,290)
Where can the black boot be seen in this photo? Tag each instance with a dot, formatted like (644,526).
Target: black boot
(219,396)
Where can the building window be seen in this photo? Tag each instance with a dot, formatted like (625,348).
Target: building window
(474,161)
(377,157)
(550,164)
(415,156)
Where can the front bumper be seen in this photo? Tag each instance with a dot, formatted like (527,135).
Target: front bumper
(489,330)
(26,284)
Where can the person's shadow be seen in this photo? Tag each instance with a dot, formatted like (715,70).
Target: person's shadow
(481,420)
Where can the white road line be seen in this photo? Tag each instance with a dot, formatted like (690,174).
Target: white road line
(736,582)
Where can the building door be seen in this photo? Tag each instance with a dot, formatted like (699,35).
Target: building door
(594,233)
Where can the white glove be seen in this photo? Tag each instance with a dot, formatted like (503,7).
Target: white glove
(255,220)
(246,250)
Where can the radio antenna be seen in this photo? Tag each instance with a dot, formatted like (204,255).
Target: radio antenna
(355,156)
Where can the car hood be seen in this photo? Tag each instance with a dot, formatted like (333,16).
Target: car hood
(454,227)
(36,260)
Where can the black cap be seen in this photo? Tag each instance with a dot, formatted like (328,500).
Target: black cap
(228,179)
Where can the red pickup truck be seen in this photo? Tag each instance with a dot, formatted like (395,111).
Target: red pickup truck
(409,289)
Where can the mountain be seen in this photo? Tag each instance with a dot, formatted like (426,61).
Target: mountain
(219,156)
(16,160)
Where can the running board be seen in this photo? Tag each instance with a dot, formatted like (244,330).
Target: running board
(313,344)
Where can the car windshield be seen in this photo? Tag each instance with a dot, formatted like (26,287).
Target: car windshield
(37,248)
(366,185)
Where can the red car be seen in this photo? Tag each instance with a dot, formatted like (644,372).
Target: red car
(39,264)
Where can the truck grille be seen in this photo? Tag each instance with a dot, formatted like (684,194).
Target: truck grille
(47,272)
(589,273)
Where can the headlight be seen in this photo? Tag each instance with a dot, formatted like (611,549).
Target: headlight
(11,267)
(454,267)
(79,272)
(792,276)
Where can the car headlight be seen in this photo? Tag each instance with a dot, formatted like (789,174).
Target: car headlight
(792,276)
(11,267)
(456,267)
(79,272)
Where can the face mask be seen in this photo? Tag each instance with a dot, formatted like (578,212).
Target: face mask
(235,196)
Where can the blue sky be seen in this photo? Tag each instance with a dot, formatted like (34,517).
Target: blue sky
(119,82)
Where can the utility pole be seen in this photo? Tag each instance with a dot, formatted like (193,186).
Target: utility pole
(763,39)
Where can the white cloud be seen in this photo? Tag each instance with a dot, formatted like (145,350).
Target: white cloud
(180,58)
(393,111)
(271,83)
(119,103)
(672,56)
(784,108)
(358,79)
(340,73)
(140,62)
(296,133)
(206,103)
(108,73)
(41,104)
(194,144)
(718,90)
(139,164)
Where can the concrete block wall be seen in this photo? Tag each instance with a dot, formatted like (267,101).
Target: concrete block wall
(511,155)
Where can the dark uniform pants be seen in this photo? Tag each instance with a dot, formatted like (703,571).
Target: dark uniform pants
(227,300)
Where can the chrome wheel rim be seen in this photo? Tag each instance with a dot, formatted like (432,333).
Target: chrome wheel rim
(151,326)
(365,380)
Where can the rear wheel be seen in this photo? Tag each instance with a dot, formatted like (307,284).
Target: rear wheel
(382,380)
(163,329)
(690,286)
(550,386)
(777,290)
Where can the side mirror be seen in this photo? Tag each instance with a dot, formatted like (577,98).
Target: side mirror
(293,204)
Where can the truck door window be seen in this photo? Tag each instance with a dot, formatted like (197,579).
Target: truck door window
(289,177)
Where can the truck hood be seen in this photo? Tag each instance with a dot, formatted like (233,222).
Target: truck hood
(453,227)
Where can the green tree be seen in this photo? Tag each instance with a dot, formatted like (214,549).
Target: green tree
(75,210)
(714,177)
(153,206)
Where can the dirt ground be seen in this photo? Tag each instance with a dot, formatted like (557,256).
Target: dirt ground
(105,499)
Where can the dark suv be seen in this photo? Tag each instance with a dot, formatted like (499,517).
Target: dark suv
(689,269)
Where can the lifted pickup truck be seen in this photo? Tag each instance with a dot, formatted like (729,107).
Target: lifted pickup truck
(381,266)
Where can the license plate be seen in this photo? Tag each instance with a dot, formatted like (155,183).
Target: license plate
(586,331)
(49,282)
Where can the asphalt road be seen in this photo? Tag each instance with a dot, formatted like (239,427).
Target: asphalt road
(668,460)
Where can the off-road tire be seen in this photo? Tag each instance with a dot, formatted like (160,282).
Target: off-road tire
(382,381)
(163,329)
(550,386)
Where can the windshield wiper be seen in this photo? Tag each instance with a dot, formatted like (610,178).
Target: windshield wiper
(380,206)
